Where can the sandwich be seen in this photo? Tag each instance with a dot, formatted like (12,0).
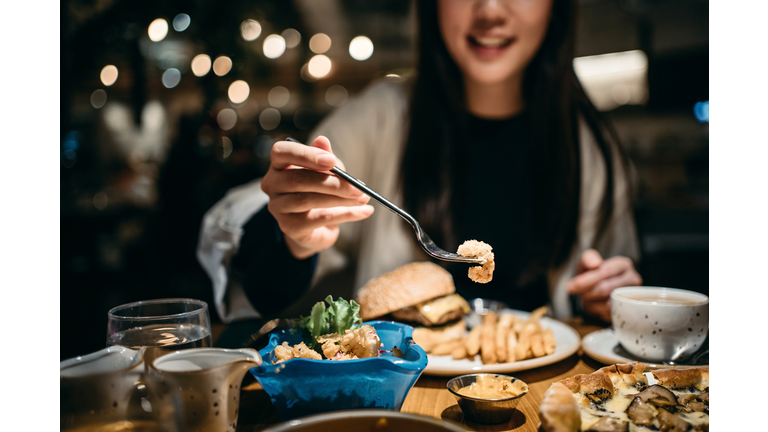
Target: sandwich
(420,294)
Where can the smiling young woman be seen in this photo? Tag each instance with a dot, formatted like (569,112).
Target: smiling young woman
(494,140)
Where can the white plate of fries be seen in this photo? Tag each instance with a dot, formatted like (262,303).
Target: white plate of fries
(506,341)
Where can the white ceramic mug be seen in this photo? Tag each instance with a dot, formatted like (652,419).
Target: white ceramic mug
(658,324)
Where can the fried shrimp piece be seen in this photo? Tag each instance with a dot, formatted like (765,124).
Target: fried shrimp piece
(362,342)
(359,343)
(330,345)
(285,352)
(478,249)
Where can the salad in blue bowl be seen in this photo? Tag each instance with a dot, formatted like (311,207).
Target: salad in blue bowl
(333,361)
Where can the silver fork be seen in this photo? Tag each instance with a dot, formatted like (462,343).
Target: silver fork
(426,243)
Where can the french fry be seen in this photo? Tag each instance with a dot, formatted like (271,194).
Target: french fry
(502,329)
(537,345)
(459,352)
(538,313)
(472,341)
(549,341)
(511,343)
(532,327)
(488,339)
(446,347)
(523,347)
(517,327)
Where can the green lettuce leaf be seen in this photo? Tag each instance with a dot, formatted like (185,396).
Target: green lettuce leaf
(338,317)
(343,315)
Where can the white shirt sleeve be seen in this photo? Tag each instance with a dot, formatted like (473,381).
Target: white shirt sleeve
(220,236)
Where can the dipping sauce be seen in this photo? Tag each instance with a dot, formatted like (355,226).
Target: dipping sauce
(494,387)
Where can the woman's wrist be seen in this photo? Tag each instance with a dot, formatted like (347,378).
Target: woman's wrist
(298,251)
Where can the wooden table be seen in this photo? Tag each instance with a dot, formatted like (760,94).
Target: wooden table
(430,397)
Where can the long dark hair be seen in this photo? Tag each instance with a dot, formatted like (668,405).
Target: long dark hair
(554,101)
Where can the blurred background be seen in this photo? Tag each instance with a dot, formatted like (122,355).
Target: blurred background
(167,105)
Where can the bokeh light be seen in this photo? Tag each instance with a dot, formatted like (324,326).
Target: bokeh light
(269,119)
(361,48)
(701,111)
(100,200)
(181,22)
(274,46)
(171,78)
(336,95)
(292,37)
(227,118)
(201,64)
(238,91)
(226,147)
(222,65)
(319,66)
(157,30)
(98,98)
(304,74)
(320,43)
(72,140)
(108,75)
(279,96)
(250,29)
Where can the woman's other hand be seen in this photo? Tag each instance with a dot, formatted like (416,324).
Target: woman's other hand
(307,200)
(596,278)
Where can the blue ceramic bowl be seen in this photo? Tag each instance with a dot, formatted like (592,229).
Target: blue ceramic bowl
(302,387)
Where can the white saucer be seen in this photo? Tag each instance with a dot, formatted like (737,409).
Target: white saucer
(603,346)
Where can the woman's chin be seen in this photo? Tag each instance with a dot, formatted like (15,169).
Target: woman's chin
(488,75)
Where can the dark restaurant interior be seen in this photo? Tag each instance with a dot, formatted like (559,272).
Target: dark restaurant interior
(167,105)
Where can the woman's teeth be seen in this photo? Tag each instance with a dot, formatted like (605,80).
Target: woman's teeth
(490,42)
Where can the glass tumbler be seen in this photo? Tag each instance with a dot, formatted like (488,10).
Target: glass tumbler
(163,325)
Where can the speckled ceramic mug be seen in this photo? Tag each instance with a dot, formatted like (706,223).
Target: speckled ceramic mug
(658,324)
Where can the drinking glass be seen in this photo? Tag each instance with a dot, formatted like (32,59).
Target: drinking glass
(167,324)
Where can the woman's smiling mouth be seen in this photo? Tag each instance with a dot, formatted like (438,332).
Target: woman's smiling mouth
(489,45)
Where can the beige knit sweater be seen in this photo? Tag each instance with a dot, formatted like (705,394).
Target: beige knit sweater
(368,134)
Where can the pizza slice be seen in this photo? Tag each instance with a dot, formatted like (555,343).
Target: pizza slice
(620,398)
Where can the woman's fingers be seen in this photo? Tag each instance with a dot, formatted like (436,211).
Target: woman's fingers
(285,154)
(305,201)
(299,225)
(595,285)
(324,143)
(590,259)
(303,180)
(586,281)
(602,289)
